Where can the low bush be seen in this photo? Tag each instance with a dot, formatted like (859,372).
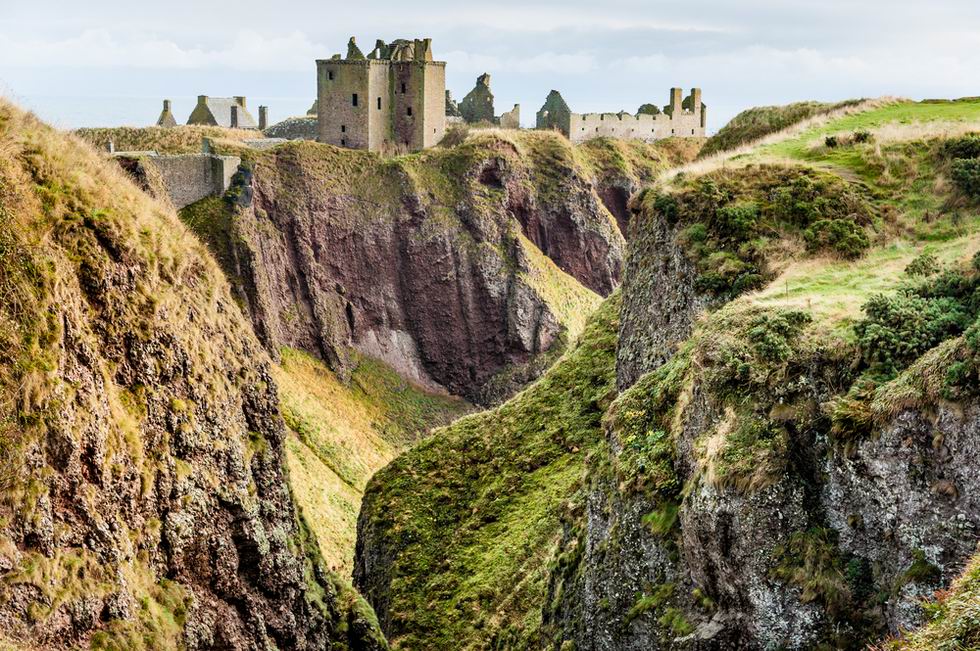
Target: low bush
(965,173)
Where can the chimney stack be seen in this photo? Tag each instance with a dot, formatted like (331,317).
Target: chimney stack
(166,105)
(234,116)
(263,117)
(676,100)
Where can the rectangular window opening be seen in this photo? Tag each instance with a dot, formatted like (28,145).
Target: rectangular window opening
(330,75)
(343,128)
(409,110)
(379,103)
(404,88)
(354,99)
(343,142)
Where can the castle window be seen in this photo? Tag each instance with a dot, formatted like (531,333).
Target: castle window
(330,75)
(343,128)
(354,99)
(379,103)
(403,88)
(343,142)
(692,132)
(409,110)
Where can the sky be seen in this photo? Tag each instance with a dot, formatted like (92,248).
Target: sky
(111,62)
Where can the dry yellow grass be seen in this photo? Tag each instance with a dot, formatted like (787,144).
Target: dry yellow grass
(341,434)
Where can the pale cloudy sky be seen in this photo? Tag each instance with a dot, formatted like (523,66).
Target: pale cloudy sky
(105,62)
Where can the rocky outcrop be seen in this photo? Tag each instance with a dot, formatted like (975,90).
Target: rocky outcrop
(458,268)
(724,513)
(300,128)
(144,500)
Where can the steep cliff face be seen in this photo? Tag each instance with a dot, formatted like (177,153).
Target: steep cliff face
(466,268)
(768,482)
(144,502)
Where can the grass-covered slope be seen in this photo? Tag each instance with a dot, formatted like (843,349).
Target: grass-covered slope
(953,618)
(143,503)
(342,433)
(755,123)
(456,535)
(184,139)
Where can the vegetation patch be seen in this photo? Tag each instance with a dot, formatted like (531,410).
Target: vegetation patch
(344,433)
(732,222)
(755,123)
(952,617)
(843,584)
(472,514)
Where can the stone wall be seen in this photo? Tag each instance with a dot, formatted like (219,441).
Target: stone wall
(675,121)
(341,123)
(192,177)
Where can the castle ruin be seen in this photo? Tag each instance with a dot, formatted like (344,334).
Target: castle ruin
(681,118)
(393,99)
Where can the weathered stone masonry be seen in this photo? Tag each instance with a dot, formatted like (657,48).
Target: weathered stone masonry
(391,100)
(674,121)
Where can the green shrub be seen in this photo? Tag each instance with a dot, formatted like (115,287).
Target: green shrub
(731,219)
(842,236)
(897,329)
(924,264)
(830,141)
(737,220)
(964,147)
(965,173)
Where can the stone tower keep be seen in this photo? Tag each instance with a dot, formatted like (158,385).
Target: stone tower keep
(393,99)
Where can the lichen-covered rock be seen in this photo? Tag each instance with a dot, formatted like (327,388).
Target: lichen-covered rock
(144,502)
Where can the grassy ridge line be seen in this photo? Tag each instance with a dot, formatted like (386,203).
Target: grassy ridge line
(184,139)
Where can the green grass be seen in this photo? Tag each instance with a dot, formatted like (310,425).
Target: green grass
(343,433)
(910,114)
(755,123)
(473,512)
(952,619)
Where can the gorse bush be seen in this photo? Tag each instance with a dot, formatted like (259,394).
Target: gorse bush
(925,264)
(900,327)
(731,218)
(964,147)
(965,173)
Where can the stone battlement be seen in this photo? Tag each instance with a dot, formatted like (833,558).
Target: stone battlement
(681,118)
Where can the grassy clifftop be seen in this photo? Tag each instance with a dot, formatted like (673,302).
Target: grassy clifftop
(185,139)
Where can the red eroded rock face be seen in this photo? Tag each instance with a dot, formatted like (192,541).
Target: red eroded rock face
(424,262)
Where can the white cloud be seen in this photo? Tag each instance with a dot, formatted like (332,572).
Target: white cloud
(98,48)
(544,62)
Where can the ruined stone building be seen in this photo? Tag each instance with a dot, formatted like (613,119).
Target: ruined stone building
(393,99)
(166,118)
(229,112)
(477,107)
(682,118)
